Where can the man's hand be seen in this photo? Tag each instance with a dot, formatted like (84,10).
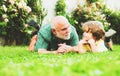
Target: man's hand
(63,48)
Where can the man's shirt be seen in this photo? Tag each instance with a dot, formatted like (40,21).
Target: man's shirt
(46,39)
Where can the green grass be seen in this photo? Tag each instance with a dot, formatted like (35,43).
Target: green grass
(18,61)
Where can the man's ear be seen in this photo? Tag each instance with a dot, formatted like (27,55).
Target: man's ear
(54,31)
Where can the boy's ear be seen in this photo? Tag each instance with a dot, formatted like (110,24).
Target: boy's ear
(54,31)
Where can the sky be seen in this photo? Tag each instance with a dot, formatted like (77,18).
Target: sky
(113,4)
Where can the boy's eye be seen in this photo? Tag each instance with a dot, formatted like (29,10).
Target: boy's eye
(86,31)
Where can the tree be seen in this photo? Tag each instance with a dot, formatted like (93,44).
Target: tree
(14,16)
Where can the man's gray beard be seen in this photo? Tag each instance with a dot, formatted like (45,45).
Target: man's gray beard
(62,37)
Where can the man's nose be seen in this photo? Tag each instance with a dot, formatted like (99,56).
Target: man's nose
(68,30)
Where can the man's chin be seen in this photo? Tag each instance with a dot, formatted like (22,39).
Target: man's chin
(67,37)
(63,38)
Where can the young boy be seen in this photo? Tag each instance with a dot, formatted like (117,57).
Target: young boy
(93,37)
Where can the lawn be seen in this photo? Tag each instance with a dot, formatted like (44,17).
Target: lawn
(18,61)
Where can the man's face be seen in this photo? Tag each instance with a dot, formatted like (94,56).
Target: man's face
(63,31)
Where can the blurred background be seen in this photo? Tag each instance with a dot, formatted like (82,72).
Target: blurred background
(15,15)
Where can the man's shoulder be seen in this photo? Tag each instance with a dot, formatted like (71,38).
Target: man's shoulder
(73,36)
(72,27)
(45,31)
(73,30)
(45,26)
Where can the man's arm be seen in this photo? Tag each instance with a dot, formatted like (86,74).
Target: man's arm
(62,49)
(44,51)
(42,45)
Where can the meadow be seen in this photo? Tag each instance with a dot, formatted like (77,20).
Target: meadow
(18,61)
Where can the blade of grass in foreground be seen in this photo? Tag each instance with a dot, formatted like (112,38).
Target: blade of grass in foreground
(18,61)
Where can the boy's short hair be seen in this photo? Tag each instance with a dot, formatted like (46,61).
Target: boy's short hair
(95,27)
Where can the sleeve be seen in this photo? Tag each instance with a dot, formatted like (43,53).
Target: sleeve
(41,43)
(74,37)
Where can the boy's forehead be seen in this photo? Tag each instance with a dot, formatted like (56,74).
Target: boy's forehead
(85,28)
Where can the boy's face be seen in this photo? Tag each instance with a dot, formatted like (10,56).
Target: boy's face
(87,35)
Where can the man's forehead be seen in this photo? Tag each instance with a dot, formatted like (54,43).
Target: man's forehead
(62,25)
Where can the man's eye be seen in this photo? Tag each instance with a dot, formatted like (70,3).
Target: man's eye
(64,29)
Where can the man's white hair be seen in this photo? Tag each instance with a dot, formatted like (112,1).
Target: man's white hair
(59,20)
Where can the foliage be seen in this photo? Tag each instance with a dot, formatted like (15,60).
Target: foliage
(17,61)
(113,17)
(96,11)
(85,13)
(60,7)
(92,1)
(38,12)
(14,16)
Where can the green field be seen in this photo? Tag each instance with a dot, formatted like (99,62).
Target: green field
(18,61)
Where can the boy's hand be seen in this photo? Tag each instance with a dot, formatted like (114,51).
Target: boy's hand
(91,41)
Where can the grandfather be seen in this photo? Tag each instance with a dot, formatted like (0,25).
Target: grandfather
(51,36)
